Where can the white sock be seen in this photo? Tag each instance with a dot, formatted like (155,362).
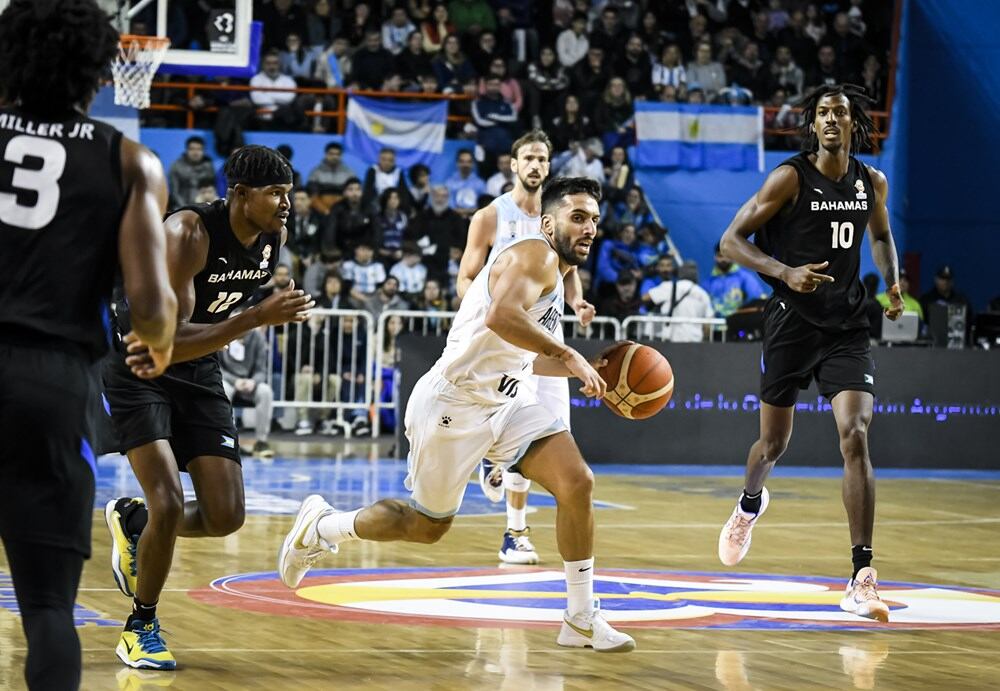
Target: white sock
(338,527)
(579,586)
(517,519)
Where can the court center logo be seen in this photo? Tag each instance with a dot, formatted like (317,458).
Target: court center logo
(651,599)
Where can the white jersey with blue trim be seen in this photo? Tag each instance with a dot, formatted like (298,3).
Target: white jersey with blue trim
(512,223)
(477,360)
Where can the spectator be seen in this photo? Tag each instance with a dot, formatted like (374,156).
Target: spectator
(360,24)
(390,224)
(385,297)
(419,187)
(651,246)
(188,171)
(635,68)
(510,88)
(270,102)
(669,94)
(396,30)
(206,192)
(382,176)
(472,16)
(873,309)
(761,35)
(573,44)
(547,83)
(372,63)
(653,37)
(826,71)
(784,119)
(618,174)
(504,175)
(849,49)
(412,275)
(794,36)
(731,286)
(697,34)
(665,270)
(351,222)
(464,185)
(695,94)
(419,10)
(333,66)
(633,210)
(289,154)
(786,74)
(436,28)
(428,83)
(244,378)
(585,160)
(363,274)
(280,281)
(616,258)
(322,24)
(682,298)
(454,259)
(451,67)
(571,125)
(315,277)
(608,34)
(413,61)
(707,73)
(815,26)
(589,78)
(331,297)
(432,299)
(615,115)
(305,228)
(669,71)
(331,173)
(484,52)
(873,80)
(944,293)
(750,72)
(495,119)
(298,61)
(624,302)
(280,18)
(435,230)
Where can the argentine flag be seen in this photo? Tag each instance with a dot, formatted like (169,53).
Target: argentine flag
(696,137)
(414,130)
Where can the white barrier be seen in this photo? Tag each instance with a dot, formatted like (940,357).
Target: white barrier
(644,327)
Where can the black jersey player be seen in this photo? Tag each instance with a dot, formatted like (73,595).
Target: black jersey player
(217,255)
(77,200)
(808,221)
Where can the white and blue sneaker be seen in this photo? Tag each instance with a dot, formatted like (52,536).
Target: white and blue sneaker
(491,481)
(517,548)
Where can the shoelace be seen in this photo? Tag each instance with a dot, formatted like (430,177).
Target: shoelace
(151,641)
(867,590)
(738,532)
(133,567)
(523,544)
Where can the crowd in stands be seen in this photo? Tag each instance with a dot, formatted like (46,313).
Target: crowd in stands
(524,62)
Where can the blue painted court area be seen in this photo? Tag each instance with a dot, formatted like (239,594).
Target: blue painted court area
(277,486)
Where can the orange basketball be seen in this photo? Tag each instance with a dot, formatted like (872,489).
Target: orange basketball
(640,381)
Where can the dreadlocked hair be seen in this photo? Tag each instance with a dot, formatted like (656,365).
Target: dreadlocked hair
(254,163)
(863,133)
(53,53)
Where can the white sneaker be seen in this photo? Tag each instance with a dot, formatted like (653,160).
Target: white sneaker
(734,540)
(303,427)
(491,480)
(517,548)
(303,546)
(592,630)
(861,597)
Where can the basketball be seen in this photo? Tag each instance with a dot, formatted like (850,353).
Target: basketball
(640,381)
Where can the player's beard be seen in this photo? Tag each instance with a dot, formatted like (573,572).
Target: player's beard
(565,248)
(529,187)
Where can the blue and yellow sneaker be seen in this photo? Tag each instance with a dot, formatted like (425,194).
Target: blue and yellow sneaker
(142,647)
(123,545)
(517,547)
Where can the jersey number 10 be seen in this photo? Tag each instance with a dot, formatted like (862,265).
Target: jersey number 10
(843,235)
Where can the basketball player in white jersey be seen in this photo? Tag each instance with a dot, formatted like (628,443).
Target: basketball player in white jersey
(472,405)
(511,216)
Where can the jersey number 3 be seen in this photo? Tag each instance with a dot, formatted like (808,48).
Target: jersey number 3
(224,302)
(44,182)
(843,235)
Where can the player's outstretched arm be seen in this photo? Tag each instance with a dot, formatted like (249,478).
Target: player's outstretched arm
(882,244)
(477,248)
(142,254)
(584,311)
(524,274)
(780,189)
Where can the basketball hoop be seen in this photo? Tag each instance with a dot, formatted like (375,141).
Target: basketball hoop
(133,69)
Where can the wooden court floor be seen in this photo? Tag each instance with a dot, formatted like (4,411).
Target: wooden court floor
(375,616)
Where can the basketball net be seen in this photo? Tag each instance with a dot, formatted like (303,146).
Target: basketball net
(133,69)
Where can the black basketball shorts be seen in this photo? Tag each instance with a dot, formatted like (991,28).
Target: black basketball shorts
(46,462)
(187,406)
(795,352)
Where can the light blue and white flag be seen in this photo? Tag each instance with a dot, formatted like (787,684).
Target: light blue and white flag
(696,137)
(414,130)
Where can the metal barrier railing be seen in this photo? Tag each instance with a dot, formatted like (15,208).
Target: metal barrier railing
(644,327)
(325,364)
